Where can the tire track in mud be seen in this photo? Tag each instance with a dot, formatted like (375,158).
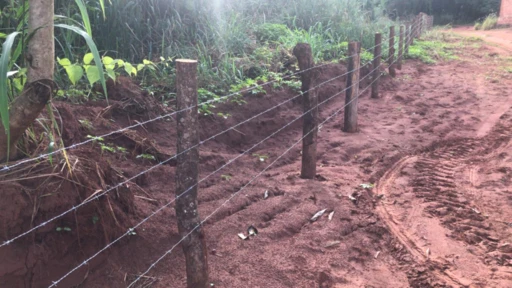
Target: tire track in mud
(432,203)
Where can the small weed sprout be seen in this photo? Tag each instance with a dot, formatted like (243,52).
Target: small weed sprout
(146,157)
(260,157)
(226,177)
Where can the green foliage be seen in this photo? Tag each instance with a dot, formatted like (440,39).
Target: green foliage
(226,177)
(444,11)
(146,157)
(436,46)
(260,157)
(4,98)
(94,51)
(490,22)
(478,26)
(113,68)
(271,32)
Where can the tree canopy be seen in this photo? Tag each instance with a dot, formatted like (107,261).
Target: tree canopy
(446,11)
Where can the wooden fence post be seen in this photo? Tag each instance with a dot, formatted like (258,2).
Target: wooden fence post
(377,55)
(194,245)
(407,38)
(351,98)
(418,26)
(392,70)
(310,103)
(413,29)
(421,26)
(400,47)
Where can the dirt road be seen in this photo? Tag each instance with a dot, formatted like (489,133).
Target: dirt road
(502,38)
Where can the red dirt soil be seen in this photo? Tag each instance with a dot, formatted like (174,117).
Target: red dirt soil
(435,144)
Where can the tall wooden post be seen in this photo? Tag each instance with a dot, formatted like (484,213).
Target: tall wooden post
(351,98)
(310,103)
(377,55)
(421,25)
(407,38)
(413,29)
(391,61)
(194,245)
(400,47)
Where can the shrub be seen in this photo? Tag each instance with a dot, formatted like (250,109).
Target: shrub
(490,22)
(478,26)
(271,32)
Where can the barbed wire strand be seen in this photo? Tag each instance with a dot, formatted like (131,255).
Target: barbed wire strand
(55,283)
(246,185)
(98,195)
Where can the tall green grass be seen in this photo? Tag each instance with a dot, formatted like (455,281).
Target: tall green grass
(490,22)
(224,35)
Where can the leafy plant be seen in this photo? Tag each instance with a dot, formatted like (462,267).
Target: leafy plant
(226,177)
(271,32)
(490,22)
(86,124)
(146,157)
(60,229)
(113,68)
(367,186)
(260,157)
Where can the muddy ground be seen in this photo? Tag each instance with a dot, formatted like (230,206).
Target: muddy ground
(436,146)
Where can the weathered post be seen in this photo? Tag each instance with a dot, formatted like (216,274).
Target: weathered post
(310,103)
(351,98)
(421,25)
(407,38)
(391,61)
(194,245)
(377,55)
(400,47)
(413,29)
(417,26)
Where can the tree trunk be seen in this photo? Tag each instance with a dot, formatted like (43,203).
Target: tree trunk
(40,86)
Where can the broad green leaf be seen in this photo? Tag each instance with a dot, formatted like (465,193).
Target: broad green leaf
(93,74)
(94,50)
(85,16)
(4,98)
(110,66)
(88,58)
(111,73)
(140,67)
(147,62)
(120,63)
(64,61)
(129,68)
(3,35)
(108,60)
(75,73)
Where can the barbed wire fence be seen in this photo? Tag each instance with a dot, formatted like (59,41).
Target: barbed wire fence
(408,33)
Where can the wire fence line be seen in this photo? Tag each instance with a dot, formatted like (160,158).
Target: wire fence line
(55,283)
(101,194)
(256,176)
